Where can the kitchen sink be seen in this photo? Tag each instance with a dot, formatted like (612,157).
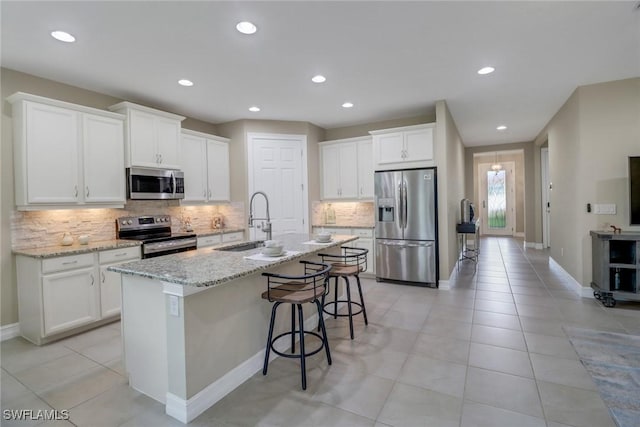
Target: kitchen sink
(244,246)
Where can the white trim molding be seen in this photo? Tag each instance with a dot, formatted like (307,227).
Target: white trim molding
(533,245)
(9,331)
(582,291)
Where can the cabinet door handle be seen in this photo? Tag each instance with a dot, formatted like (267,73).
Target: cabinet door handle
(103,278)
(160,155)
(70,262)
(75,194)
(87,191)
(93,280)
(209,193)
(120,254)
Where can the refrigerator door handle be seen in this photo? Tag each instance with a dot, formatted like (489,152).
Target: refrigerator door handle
(400,202)
(405,207)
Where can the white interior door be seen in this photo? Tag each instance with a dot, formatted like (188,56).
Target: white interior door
(546,204)
(277,166)
(497,199)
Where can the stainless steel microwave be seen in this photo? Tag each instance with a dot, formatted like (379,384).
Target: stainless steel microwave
(154,184)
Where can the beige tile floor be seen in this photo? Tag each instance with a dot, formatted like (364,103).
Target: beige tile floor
(489,352)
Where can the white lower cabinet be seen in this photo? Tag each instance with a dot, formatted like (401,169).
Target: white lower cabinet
(69,299)
(235,236)
(205,241)
(59,295)
(365,240)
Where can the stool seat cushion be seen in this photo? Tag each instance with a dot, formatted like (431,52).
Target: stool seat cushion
(338,269)
(294,293)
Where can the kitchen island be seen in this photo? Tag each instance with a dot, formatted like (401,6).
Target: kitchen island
(194,325)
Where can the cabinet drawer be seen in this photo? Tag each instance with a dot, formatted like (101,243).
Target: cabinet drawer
(116,255)
(363,232)
(71,262)
(232,237)
(331,230)
(209,240)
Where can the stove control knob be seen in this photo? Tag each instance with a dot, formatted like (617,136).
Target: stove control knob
(165,219)
(124,222)
(129,222)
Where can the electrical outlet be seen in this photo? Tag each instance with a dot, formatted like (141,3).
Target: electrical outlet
(605,209)
(174,305)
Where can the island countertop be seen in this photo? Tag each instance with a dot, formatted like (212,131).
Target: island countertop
(212,266)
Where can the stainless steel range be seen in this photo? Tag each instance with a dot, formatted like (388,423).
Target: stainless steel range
(155,234)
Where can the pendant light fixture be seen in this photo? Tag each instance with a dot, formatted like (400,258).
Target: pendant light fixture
(496,166)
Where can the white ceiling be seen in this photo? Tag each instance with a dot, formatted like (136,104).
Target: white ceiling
(391,59)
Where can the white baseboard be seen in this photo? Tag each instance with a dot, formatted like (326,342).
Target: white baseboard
(186,411)
(444,285)
(584,292)
(9,331)
(533,245)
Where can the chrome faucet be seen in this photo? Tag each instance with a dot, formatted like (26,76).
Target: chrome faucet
(266,227)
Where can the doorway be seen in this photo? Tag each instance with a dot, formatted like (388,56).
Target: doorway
(496,193)
(546,203)
(277,166)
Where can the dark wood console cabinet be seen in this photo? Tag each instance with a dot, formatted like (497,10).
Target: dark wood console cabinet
(615,266)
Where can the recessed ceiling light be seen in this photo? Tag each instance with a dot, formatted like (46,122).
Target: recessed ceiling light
(63,36)
(347,105)
(318,79)
(185,82)
(246,27)
(486,70)
(254,109)
(501,127)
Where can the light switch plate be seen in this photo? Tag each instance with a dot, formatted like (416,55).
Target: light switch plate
(605,209)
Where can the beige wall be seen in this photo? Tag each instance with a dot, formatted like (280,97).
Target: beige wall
(449,152)
(590,140)
(363,129)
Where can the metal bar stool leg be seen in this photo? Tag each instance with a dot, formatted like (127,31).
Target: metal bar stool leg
(270,335)
(293,328)
(364,310)
(346,279)
(335,298)
(323,329)
(303,367)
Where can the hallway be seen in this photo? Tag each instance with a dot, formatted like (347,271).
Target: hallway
(491,351)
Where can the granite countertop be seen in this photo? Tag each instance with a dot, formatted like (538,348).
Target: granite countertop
(101,245)
(211,266)
(343,226)
(76,248)
(215,231)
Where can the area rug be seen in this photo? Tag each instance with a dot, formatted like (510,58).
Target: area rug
(613,360)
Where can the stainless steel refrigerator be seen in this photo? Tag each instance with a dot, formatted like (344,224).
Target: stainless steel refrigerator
(406,226)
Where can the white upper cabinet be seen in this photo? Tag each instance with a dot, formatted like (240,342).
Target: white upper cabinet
(104,177)
(205,161)
(347,169)
(66,155)
(152,137)
(406,147)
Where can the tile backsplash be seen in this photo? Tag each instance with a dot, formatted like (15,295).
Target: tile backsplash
(45,228)
(354,214)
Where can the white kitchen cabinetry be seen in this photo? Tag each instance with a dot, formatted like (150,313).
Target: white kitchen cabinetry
(347,169)
(152,137)
(66,155)
(235,236)
(405,147)
(110,289)
(62,295)
(205,163)
(204,241)
(365,240)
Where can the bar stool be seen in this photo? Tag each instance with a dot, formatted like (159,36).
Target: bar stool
(351,263)
(297,290)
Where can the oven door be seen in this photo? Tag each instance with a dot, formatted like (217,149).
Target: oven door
(154,184)
(171,246)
